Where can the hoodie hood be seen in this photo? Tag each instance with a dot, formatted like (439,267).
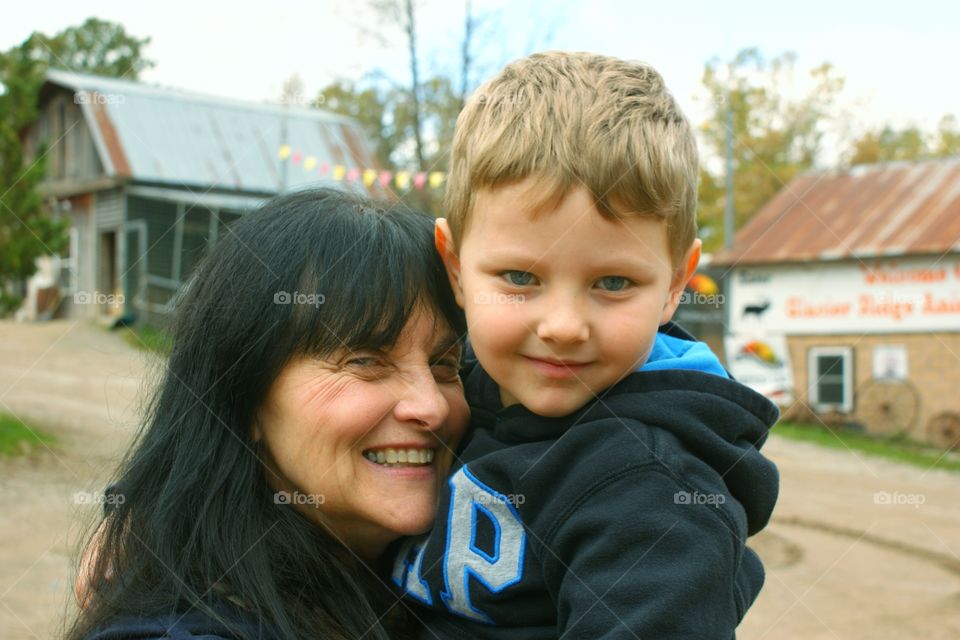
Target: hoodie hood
(715,418)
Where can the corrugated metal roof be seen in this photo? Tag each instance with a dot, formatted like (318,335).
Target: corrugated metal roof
(161,135)
(868,211)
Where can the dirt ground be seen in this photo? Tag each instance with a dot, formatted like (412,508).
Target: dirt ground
(858,548)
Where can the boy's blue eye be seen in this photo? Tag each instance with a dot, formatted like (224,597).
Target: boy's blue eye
(613,283)
(519,278)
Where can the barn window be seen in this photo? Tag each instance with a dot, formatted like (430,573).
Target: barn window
(831,378)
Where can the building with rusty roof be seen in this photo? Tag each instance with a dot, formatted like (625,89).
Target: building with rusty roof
(843,298)
(150,176)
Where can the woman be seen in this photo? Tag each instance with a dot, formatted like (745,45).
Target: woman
(308,414)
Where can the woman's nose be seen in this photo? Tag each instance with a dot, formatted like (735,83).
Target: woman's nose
(421,402)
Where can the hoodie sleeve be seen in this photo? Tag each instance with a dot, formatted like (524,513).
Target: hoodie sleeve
(642,556)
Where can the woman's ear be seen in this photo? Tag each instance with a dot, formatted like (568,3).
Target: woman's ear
(256,432)
(685,271)
(443,240)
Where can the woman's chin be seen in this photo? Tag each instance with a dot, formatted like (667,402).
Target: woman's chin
(413,517)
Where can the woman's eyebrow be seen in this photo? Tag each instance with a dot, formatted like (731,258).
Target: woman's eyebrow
(446,346)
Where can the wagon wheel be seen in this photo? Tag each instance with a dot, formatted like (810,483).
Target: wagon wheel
(887,406)
(943,430)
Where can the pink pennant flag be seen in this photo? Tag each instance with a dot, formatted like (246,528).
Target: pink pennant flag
(419,180)
(324,168)
(385,178)
(297,157)
(353,175)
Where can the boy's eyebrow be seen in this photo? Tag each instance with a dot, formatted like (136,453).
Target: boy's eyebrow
(613,265)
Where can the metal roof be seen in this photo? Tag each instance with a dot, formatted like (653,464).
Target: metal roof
(868,211)
(168,136)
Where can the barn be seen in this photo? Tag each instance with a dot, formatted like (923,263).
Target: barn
(843,299)
(149,177)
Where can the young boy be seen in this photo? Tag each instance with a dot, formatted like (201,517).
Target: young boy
(613,475)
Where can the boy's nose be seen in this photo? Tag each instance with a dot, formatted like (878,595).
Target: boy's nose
(563,323)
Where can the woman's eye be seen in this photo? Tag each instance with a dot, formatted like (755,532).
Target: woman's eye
(519,278)
(365,363)
(446,370)
(613,283)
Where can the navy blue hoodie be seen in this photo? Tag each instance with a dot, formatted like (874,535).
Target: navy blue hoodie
(230,623)
(625,519)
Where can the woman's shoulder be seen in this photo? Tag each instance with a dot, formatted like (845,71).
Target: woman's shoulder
(221,623)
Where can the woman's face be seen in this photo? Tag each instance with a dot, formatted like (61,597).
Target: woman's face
(361,441)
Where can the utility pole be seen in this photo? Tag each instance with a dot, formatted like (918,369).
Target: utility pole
(285,162)
(728,208)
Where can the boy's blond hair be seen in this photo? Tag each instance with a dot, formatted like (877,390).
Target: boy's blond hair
(571,119)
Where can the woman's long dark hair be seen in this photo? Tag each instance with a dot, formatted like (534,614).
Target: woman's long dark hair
(308,273)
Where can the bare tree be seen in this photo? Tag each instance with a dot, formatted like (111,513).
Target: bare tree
(411,31)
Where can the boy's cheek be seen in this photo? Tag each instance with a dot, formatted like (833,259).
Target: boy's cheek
(485,322)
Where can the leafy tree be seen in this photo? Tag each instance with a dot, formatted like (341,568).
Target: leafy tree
(775,136)
(27,231)
(369,105)
(390,120)
(909,144)
(97,46)
(948,138)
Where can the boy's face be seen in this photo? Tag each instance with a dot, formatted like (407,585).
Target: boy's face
(563,304)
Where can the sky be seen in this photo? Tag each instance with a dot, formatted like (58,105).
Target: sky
(898,58)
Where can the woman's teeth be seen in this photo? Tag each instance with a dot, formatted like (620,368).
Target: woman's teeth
(391,457)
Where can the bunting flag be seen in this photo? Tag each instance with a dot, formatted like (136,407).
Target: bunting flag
(402,180)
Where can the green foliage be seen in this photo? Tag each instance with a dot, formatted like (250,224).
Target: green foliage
(910,144)
(948,138)
(148,338)
(775,136)
(27,231)
(900,449)
(368,105)
(16,438)
(97,46)
(387,116)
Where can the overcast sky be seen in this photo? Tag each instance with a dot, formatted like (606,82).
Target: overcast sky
(899,58)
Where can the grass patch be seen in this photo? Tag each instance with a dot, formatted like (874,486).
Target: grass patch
(16,438)
(898,448)
(148,338)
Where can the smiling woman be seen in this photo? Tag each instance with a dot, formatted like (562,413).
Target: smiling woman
(307,416)
(379,477)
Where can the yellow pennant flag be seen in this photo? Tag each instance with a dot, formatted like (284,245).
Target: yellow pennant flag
(369,175)
(403,180)
(284,152)
(435,179)
(338,172)
(309,163)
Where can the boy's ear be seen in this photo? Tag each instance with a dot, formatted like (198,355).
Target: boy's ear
(443,240)
(685,271)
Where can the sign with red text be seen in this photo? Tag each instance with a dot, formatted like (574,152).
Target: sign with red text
(763,364)
(894,295)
